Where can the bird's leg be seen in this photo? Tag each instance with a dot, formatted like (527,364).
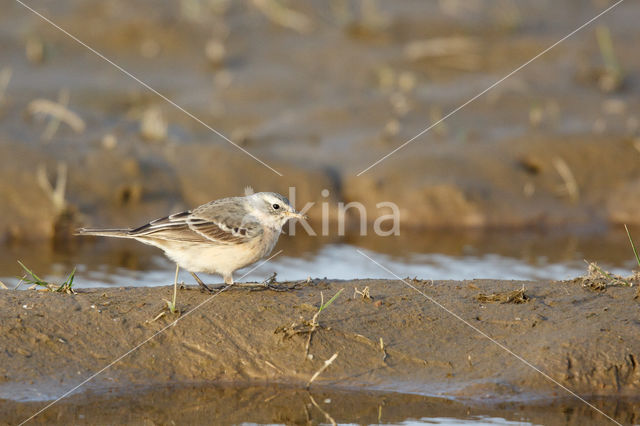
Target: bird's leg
(201,284)
(228,279)
(175,287)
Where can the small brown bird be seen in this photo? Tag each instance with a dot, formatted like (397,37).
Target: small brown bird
(218,237)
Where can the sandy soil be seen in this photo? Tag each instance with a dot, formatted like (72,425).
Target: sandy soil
(584,339)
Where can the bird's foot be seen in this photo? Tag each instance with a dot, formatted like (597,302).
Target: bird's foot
(272,284)
(202,285)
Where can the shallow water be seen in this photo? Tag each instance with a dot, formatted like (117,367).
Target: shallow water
(282,405)
(434,255)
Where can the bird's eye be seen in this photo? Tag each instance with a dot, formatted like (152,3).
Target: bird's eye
(276,206)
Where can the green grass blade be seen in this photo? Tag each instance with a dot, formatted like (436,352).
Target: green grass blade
(330,300)
(35,279)
(633,246)
(68,284)
(71,277)
(606,274)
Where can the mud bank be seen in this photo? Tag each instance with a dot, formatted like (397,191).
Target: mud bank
(534,152)
(585,340)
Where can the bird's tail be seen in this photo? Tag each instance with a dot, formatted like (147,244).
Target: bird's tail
(118,233)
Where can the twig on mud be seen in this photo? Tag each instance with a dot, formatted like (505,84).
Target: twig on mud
(515,296)
(271,280)
(164,311)
(326,364)
(598,279)
(308,327)
(384,351)
(157,317)
(269,283)
(326,415)
(364,293)
(314,321)
(3,286)
(272,284)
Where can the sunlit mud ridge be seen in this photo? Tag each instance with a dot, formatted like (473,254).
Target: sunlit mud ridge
(386,336)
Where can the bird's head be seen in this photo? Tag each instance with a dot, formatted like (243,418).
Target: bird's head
(273,208)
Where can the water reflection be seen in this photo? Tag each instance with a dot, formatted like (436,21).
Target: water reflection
(429,255)
(204,404)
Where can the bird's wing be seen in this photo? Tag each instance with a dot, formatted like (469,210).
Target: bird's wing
(222,222)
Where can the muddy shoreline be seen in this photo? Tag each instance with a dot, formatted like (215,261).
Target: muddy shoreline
(584,339)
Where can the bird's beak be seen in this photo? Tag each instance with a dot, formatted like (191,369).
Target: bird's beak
(296,215)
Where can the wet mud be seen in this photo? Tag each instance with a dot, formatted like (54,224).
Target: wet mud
(387,337)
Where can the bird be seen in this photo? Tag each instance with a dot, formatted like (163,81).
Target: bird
(218,237)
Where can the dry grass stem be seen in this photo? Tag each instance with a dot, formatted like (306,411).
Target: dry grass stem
(284,16)
(56,194)
(326,364)
(314,321)
(54,123)
(439,47)
(307,327)
(598,279)
(612,78)
(153,125)
(364,293)
(570,183)
(515,296)
(57,111)
(5,77)
(271,283)
(384,351)
(326,415)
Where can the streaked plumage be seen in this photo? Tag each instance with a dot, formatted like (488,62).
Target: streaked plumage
(218,237)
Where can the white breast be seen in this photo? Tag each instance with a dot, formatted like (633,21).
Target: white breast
(220,259)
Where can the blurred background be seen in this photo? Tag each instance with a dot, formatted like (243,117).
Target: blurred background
(525,182)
